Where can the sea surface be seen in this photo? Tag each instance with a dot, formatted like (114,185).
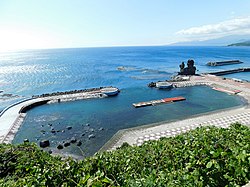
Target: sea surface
(31,72)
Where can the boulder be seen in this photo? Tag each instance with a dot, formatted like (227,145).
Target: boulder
(73,140)
(66,144)
(60,146)
(79,143)
(69,127)
(26,140)
(44,143)
(91,136)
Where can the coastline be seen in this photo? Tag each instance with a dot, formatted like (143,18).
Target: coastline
(133,135)
(7,134)
(11,117)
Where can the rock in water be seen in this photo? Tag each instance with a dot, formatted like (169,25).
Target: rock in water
(73,140)
(60,146)
(66,144)
(26,140)
(79,143)
(44,143)
(69,127)
(91,136)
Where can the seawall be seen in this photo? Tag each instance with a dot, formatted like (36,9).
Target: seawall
(12,117)
(136,136)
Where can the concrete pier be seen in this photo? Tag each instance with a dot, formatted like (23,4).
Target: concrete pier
(226,72)
(136,136)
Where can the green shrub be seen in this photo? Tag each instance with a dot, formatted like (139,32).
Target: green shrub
(206,156)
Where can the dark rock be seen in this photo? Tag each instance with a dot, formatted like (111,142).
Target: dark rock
(91,136)
(87,124)
(101,129)
(83,134)
(91,130)
(73,140)
(79,143)
(50,151)
(49,124)
(66,144)
(152,84)
(60,146)
(53,131)
(26,140)
(69,127)
(44,143)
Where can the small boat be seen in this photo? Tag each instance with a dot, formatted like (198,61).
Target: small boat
(163,85)
(110,91)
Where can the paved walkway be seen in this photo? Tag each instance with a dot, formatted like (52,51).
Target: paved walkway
(136,136)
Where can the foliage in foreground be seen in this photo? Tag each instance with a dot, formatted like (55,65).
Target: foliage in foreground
(207,156)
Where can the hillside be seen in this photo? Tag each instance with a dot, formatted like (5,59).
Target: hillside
(246,43)
(222,41)
(206,156)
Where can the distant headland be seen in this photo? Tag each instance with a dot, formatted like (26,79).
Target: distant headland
(246,43)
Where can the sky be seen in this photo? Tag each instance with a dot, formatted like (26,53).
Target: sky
(32,24)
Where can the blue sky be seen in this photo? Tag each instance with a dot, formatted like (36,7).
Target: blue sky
(95,23)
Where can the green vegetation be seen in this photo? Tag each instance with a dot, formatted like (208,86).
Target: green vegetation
(207,156)
(246,43)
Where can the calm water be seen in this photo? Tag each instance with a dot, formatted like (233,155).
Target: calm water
(26,73)
(115,113)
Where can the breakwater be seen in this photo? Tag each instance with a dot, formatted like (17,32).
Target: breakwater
(222,63)
(226,72)
(67,92)
(12,117)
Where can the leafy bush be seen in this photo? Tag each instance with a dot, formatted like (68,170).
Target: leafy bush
(206,156)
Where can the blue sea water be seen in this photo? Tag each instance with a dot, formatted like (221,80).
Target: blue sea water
(31,72)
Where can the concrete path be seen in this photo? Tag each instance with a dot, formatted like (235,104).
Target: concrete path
(136,136)
(9,117)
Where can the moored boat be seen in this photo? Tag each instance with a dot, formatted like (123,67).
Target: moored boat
(110,91)
(163,85)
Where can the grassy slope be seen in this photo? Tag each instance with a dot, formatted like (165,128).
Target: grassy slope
(202,157)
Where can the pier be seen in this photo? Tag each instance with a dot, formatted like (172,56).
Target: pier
(226,72)
(11,118)
(158,102)
(225,62)
(136,136)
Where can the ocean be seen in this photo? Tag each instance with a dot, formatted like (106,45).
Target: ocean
(32,72)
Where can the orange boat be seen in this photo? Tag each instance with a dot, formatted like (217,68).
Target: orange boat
(157,102)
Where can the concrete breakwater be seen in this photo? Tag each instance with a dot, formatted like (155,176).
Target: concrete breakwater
(12,117)
(67,92)
(226,72)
